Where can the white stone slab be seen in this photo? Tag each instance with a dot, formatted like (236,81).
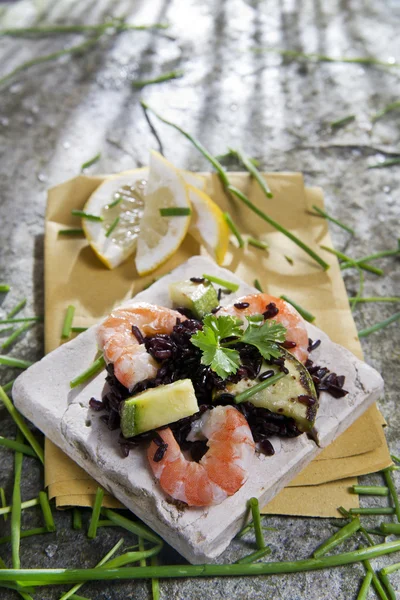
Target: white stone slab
(43,395)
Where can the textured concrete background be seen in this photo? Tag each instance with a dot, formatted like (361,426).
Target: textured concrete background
(55,116)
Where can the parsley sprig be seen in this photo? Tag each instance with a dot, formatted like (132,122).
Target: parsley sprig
(216,337)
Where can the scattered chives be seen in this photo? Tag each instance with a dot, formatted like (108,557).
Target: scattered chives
(337,538)
(16,507)
(3,502)
(257,243)
(24,534)
(18,447)
(234,229)
(112,227)
(370,490)
(257,285)
(255,511)
(115,202)
(20,320)
(76,597)
(19,421)
(60,576)
(155,584)
(251,558)
(28,504)
(289,260)
(88,216)
(6,330)
(95,367)
(91,161)
(175,211)
(130,557)
(378,326)
(387,109)
(374,256)
(76,231)
(252,169)
(372,511)
(375,299)
(69,315)
(105,523)
(76,518)
(391,568)
(8,386)
(302,311)
(294,54)
(4,287)
(79,329)
(132,526)
(233,190)
(352,262)
(386,163)
(366,584)
(342,122)
(322,213)
(95,513)
(160,79)
(395,458)
(16,308)
(393,492)
(227,285)
(115,24)
(390,528)
(46,510)
(389,588)
(11,338)
(141,550)
(243,396)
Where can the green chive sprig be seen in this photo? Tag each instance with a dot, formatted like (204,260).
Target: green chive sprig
(252,169)
(8,386)
(19,320)
(258,286)
(374,256)
(379,326)
(25,534)
(3,502)
(390,528)
(233,190)
(370,490)
(27,504)
(115,202)
(251,558)
(79,329)
(366,584)
(314,57)
(257,243)
(112,227)
(324,214)
(141,83)
(4,287)
(255,512)
(16,446)
(227,285)
(85,215)
(91,161)
(76,518)
(302,311)
(133,526)
(353,263)
(17,308)
(375,510)
(393,492)
(387,109)
(46,510)
(389,588)
(75,231)
(386,163)
(19,421)
(243,396)
(234,229)
(342,122)
(45,30)
(11,338)
(69,316)
(16,507)
(364,299)
(97,366)
(92,532)
(337,538)
(175,211)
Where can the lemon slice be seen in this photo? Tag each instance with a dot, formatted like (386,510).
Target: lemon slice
(208,225)
(159,236)
(120,201)
(194,179)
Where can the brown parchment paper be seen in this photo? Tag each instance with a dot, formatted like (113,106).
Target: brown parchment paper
(74,275)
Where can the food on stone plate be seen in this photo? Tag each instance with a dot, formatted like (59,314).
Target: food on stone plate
(204,387)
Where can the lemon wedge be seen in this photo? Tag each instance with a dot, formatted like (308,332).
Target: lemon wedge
(160,236)
(208,225)
(119,201)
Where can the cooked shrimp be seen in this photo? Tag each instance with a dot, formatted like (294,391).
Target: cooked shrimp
(132,362)
(223,469)
(287,315)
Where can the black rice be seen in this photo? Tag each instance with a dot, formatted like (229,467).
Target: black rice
(197,279)
(271,311)
(241,305)
(138,334)
(313,345)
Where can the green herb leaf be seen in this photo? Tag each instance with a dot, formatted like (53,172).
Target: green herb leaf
(265,337)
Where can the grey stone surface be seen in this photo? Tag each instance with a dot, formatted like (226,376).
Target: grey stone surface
(55,116)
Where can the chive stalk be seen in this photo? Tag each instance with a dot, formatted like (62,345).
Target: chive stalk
(393,492)
(155,583)
(115,202)
(4,287)
(75,231)
(91,161)
(79,329)
(176,74)
(372,511)
(390,528)
(24,534)
(379,326)
(257,243)
(352,262)
(289,260)
(337,538)
(27,504)
(92,532)
(132,557)
(133,526)
(294,54)
(19,320)
(252,169)
(112,227)
(85,215)
(11,338)
(366,584)
(3,502)
(370,490)
(388,108)
(95,367)
(391,568)
(324,214)
(175,211)
(302,311)
(234,229)
(389,588)
(43,30)
(76,518)
(243,396)
(46,510)
(227,285)
(258,286)
(16,507)
(386,163)
(251,558)
(22,425)
(16,308)
(233,190)
(255,511)
(18,363)
(393,456)
(16,446)
(374,256)
(375,299)
(342,122)
(59,576)
(141,550)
